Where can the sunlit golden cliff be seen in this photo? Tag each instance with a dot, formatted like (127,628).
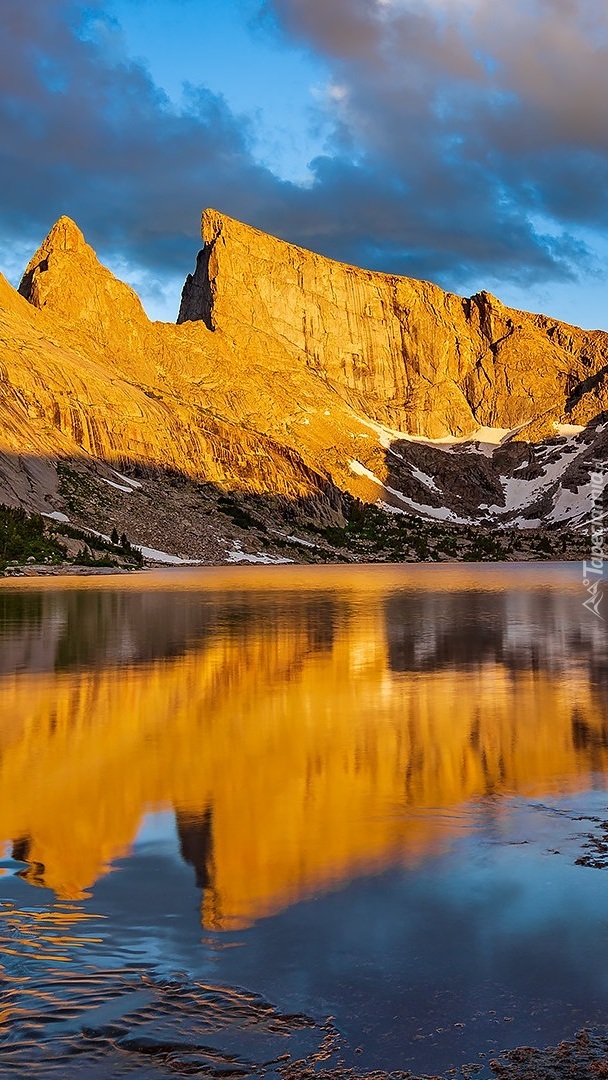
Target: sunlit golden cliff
(278,379)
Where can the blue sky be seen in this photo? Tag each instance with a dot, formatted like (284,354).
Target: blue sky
(463,141)
(234,51)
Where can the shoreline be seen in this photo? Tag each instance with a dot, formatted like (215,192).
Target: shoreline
(67,570)
(74,570)
(433,576)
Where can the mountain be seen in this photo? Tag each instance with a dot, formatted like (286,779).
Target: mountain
(399,351)
(291,388)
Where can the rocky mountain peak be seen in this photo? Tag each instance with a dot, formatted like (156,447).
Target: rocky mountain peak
(66,277)
(212,224)
(65,236)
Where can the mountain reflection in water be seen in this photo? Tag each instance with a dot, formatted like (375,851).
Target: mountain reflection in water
(304,734)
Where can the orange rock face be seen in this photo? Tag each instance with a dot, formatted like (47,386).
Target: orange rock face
(284,369)
(400,351)
(89,374)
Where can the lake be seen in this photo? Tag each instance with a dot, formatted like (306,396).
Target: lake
(255,821)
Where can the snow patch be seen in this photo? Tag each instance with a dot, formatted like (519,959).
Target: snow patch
(56,515)
(360,470)
(525,523)
(493,436)
(237,556)
(150,553)
(299,540)
(128,480)
(390,509)
(484,440)
(572,505)
(164,557)
(119,487)
(568,429)
(441,513)
(93,532)
(423,478)
(294,539)
(520,494)
(387,436)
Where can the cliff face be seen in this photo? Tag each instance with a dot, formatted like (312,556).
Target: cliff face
(292,378)
(88,374)
(197,299)
(401,351)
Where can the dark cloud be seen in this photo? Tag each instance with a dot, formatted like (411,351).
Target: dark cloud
(470,138)
(490,117)
(85,131)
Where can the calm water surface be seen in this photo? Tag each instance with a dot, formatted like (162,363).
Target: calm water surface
(256,816)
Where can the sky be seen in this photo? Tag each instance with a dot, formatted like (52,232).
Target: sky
(460,141)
